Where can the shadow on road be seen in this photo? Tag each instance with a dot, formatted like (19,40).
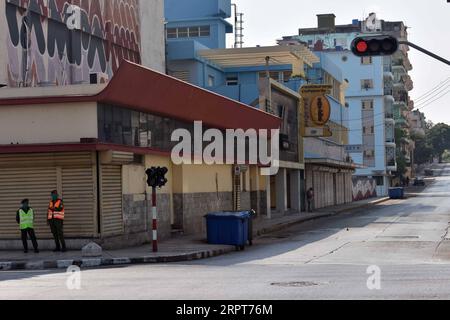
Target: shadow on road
(300,236)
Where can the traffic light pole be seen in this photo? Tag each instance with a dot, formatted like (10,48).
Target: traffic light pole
(431,54)
(155,221)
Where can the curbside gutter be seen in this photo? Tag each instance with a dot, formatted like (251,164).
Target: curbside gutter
(204,254)
(105,262)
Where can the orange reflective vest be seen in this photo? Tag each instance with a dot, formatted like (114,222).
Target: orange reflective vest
(56,210)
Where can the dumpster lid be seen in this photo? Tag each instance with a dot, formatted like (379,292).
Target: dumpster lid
(229,215)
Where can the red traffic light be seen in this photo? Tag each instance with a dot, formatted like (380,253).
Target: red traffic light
(362,46)
(375,46)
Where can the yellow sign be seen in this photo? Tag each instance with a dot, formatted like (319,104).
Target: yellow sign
(320,110)
(316,110)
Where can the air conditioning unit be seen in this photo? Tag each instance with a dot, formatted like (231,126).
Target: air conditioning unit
(284,142)
(369,153)
(98,78)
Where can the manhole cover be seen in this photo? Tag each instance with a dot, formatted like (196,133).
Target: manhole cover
(298,284)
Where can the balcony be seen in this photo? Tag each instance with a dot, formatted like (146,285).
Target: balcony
(388,91)
(387,73)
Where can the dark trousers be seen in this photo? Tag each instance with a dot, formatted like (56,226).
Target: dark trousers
(310,205)
(25,234)
(57,228)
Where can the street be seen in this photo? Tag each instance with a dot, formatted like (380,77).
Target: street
(322,259)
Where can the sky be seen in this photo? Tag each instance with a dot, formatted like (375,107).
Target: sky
(428,22)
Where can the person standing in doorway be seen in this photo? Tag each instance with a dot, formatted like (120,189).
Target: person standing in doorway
(25,219)
(56,221)
(310,198)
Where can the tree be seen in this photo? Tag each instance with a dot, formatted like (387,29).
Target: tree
(439,139)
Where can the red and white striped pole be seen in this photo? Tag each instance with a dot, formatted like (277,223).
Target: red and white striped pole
(155,221)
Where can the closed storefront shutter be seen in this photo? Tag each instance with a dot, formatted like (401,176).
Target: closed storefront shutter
(79,201)
(111,200)
(34,177)
(17,184)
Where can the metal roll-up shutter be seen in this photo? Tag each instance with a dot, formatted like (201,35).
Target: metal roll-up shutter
(34,176)
(111,200)
(79,201)
(17,184)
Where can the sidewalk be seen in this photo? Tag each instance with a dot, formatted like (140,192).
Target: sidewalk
(263,226)
(175,250)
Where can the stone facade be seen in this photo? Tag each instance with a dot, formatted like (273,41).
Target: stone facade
(137,218)
(190,209)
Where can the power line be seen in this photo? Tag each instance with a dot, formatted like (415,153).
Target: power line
(446,81)
(446,89)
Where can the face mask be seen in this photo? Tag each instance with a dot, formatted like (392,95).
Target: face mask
(54,197)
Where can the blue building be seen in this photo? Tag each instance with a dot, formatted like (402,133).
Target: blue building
(268,78)
(377,96)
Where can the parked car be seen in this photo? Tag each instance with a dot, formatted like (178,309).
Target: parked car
(419,182)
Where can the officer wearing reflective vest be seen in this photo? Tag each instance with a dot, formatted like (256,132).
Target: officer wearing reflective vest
(25,219)
(55,219)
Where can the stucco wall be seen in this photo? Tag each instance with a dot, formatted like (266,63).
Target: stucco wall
(152,33)
(48,123)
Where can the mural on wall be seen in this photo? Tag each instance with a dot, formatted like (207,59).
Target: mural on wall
(42,50)
(364,188)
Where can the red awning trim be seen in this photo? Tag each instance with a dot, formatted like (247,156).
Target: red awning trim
(145,90)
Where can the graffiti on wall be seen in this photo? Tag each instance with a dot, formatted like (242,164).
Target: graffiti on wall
(364,188)
(43,50)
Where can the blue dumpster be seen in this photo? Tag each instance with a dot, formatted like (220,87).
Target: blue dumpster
(229,228)
(396,193)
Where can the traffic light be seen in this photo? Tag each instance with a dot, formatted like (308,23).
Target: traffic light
(374,46)
(156,177)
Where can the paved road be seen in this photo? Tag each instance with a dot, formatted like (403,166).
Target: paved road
(326,259)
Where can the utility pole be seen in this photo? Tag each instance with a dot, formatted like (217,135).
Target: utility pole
(154,222)
(155,179)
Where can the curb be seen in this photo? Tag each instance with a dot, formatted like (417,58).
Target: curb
(108,262)
(105,262)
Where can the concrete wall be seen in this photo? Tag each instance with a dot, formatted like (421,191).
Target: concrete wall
(152,33)
(48,123)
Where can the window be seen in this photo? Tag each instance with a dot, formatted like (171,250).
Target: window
(366,60)
(183,32)
(211,81)
(367,84)
(379,180)
(367,104)
(188,32)
(194,32)
(205,31)
(232,80)
(172,33)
